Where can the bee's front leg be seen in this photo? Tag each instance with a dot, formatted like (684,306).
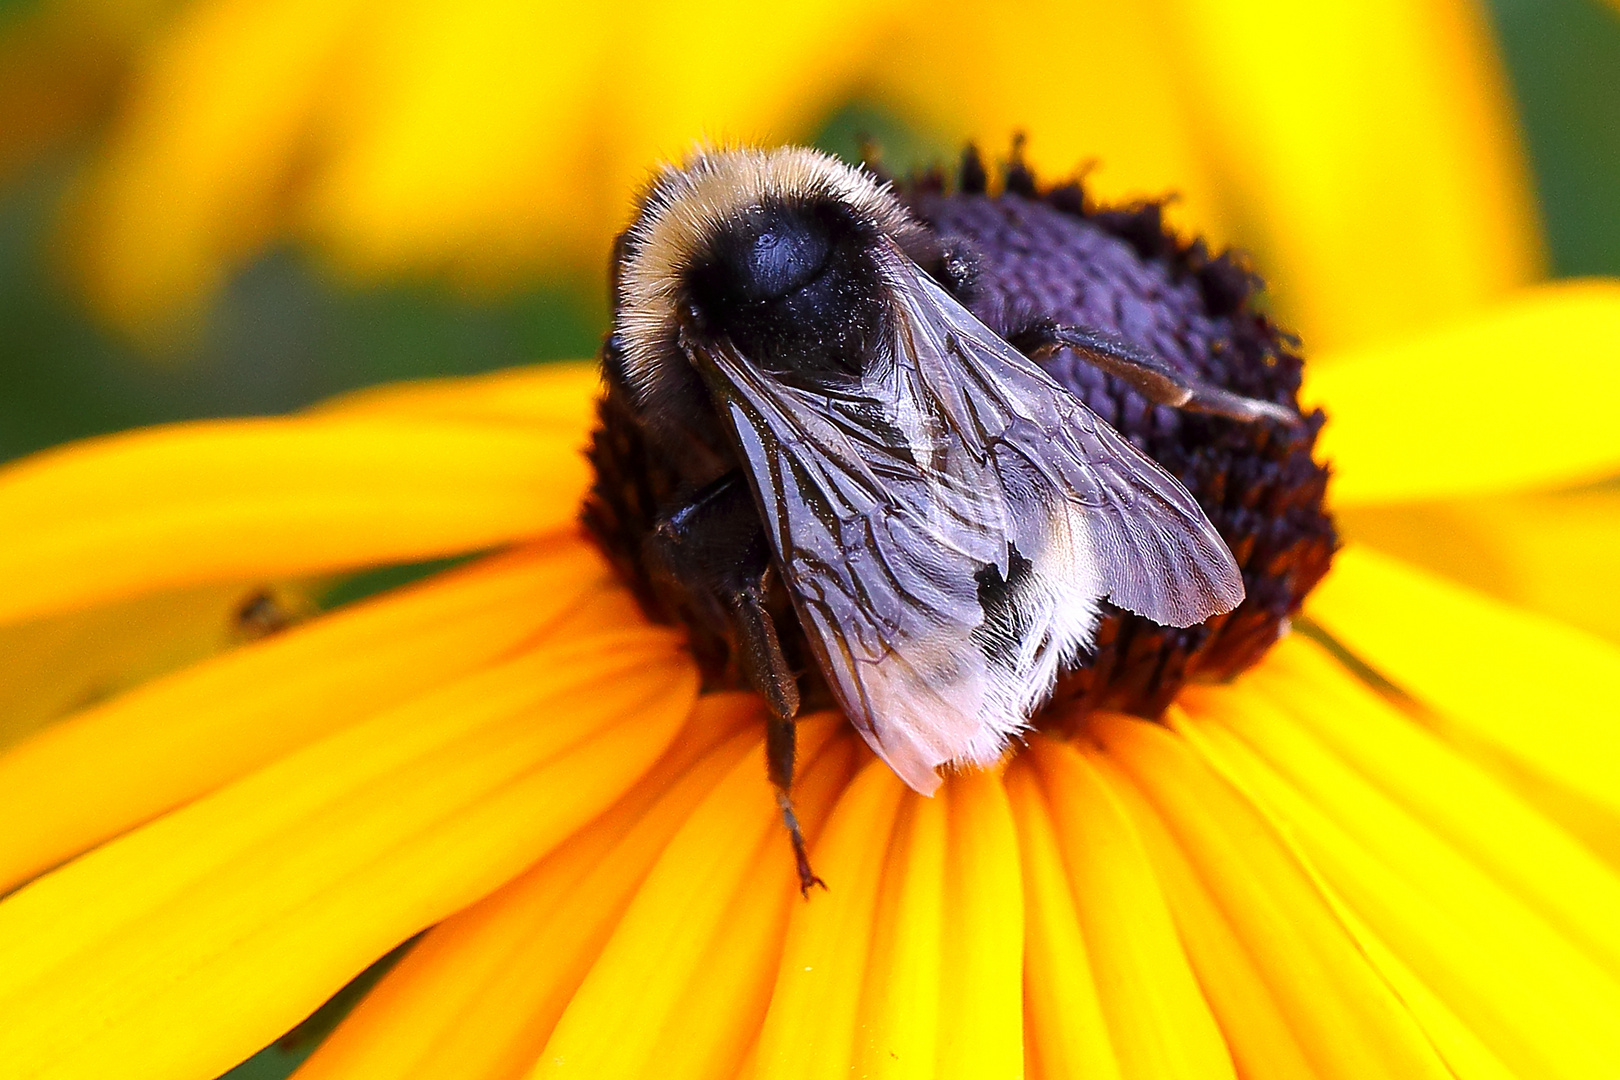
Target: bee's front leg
(714,549)
(1148,374)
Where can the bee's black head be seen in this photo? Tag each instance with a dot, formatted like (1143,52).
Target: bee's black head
(773,252)
(791,283)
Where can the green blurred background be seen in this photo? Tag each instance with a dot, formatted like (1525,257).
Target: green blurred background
(284,335)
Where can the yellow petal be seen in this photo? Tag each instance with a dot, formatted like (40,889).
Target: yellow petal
(1460,1046)
(480,993)
(811,1028)
(1456,1043)
(1373,147)
(1543,865)
(1258,1031)
(1255,1020)
(1339,1007)
(1067,1030)
(1159,1025)
(981,1018)
(58,665)
(1551,553)
(1536,1000)
(1484,405)
(210,132)
(121,763)
(899,1023)
(720,1008)
(1539,699)
(253,904)
(230,500)
(943,991)
(562,394)
(684,980)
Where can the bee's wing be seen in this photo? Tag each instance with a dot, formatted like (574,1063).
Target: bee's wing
(947,526)
(1153,549)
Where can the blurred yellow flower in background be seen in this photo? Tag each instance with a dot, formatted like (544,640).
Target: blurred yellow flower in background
(1366,151)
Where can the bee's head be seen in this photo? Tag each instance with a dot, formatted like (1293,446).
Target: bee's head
(773,252)
(792,283)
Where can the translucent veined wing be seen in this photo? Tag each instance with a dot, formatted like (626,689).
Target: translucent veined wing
(948,522)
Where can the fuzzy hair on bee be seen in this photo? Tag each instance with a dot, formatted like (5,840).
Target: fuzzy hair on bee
(945,519)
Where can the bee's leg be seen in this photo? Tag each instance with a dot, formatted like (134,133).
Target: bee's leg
(759,650)
(760,655)
(714,550)
(780,742)
(715,547)
(1149,375)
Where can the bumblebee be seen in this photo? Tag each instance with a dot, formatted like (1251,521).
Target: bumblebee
(943,517)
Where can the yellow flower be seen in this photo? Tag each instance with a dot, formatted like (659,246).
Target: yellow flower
(1392,848)
(1366,150)
(1299,874)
